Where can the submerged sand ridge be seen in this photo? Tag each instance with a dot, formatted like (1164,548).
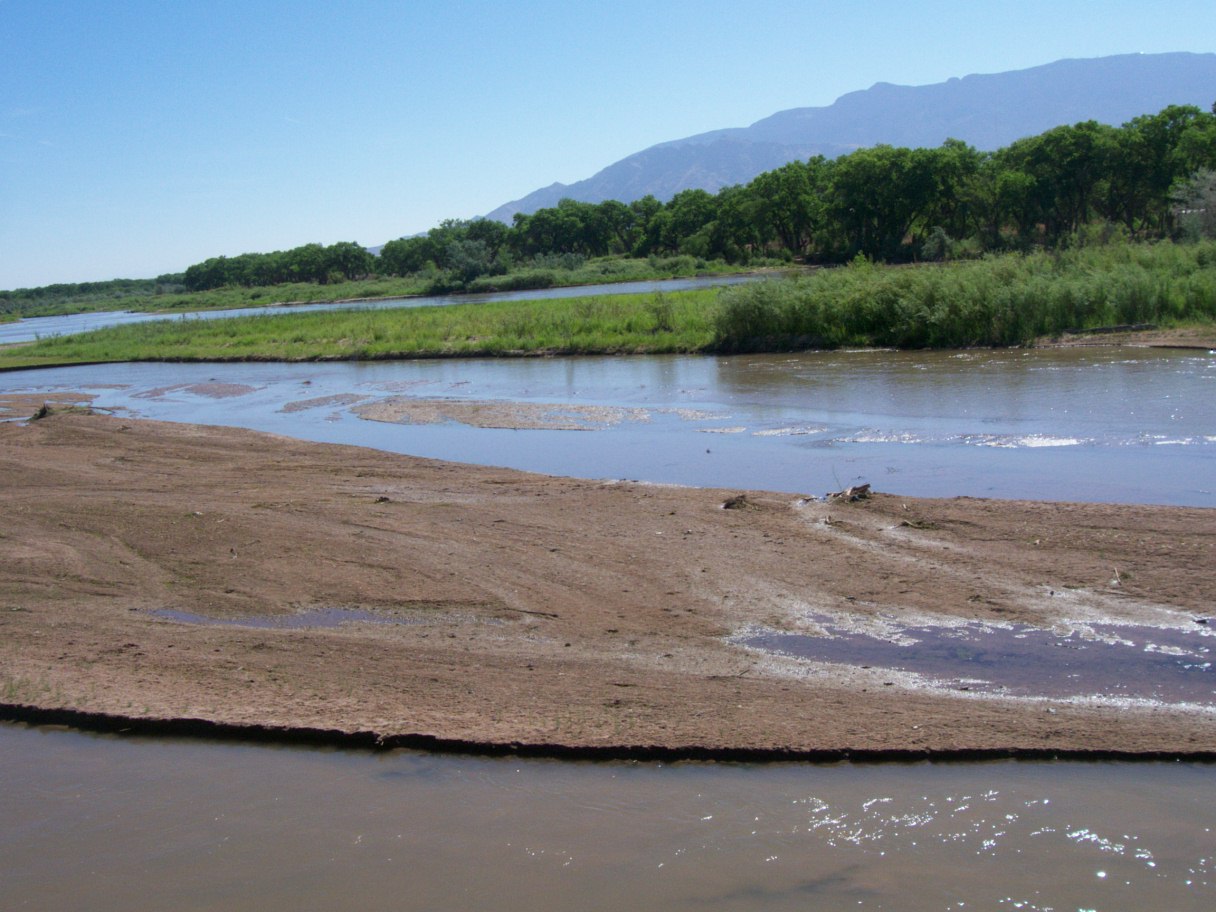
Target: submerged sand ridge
(490,606)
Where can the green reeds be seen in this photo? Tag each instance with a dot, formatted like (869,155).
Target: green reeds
(999,300)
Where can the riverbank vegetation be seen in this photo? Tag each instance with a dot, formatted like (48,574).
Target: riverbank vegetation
(885,203)
(605,324)
(1005,299)
(1010,299)
(168,295)
(1150,179)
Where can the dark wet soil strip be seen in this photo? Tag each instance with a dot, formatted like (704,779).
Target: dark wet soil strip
(322,617)
(205,729)
(1126,662)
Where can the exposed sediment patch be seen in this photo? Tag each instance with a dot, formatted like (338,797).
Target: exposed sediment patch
(560,614)
(499,414)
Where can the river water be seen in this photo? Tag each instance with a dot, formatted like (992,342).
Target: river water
(1105,425)
(105,823)
(102,823)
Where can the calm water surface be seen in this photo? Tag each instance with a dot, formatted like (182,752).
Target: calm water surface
(106,824)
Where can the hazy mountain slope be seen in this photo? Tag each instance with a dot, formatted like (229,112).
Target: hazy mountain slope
(987,111)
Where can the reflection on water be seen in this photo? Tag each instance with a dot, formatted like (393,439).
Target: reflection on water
(108,824)
(1096,425)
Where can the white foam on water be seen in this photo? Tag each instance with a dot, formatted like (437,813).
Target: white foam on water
(881,437)
(789,431)
(1013,442)
(1041,440)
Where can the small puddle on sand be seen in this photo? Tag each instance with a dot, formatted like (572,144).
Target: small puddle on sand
(321,617)
(1122,662)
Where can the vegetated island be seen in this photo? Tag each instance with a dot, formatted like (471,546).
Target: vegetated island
(175,578)
(1011,299)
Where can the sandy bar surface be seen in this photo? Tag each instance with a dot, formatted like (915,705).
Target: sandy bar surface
(495,609)
(1201,338)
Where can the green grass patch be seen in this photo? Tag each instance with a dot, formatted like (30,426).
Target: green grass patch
(605,324)
(141,299)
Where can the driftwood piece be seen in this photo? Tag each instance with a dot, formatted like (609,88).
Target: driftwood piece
(852,493)
(738,502)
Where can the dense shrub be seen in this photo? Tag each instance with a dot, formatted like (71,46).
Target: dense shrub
(1002,300)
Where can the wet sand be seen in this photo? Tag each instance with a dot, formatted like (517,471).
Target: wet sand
(513,415)
(493,609)
(1201,338)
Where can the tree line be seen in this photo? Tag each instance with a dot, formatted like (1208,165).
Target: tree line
(314,263)
(97,295)
(885,203)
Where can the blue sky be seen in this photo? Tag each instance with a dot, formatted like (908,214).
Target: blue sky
(140,136)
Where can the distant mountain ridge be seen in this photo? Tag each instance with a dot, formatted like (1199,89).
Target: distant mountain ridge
(987,111)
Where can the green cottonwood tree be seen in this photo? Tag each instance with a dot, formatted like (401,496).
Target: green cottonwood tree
(875,196)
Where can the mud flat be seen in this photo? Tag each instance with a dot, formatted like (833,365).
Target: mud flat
(160,576)
(1201,338)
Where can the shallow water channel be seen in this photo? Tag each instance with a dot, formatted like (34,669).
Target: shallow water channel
(1108,425)
(108,823)
(105,823)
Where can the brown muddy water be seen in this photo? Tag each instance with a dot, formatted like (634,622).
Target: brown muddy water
(105,823)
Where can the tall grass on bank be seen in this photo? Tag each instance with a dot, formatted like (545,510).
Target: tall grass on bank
(607,324)
(1000,300)
(596,271)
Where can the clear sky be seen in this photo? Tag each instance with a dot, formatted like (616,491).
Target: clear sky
(140,136)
